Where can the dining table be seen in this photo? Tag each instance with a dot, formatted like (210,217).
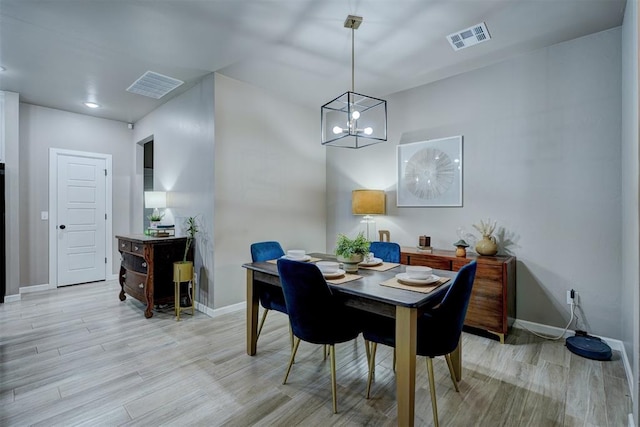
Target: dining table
(366,293)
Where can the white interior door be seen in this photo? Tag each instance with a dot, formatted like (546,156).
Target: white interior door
(81,219)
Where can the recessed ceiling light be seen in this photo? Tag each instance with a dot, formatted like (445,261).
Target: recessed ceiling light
(91,104)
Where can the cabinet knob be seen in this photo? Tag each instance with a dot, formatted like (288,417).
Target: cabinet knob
(122,245)
(135,248)
(141,285)
(124,276)
(144,264)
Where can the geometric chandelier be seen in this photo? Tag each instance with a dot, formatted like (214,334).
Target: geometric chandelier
(353,120)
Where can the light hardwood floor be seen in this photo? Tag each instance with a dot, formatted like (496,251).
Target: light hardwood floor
(79,356)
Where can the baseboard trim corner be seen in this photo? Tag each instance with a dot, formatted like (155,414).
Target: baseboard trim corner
(11,298)
(214,312)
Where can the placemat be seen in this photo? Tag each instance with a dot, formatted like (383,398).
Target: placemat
(344,279)
(313,259)
(394,283)
(382,267)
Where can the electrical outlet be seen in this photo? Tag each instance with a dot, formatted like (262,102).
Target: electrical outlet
(572,296)
(569,299)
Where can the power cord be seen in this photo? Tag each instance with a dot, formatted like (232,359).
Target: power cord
(546,337)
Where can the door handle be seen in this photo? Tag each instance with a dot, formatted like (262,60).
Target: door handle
(62,226)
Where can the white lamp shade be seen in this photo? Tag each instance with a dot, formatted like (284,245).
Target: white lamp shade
(155,199)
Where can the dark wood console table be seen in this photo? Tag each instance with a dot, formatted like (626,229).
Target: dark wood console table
(146,270)
(493,298)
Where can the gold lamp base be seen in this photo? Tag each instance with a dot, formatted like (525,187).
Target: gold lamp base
(183,272)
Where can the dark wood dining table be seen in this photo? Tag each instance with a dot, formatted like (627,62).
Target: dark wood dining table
(367,294)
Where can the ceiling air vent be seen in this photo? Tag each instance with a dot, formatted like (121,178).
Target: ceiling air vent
(154,85)
(468,37)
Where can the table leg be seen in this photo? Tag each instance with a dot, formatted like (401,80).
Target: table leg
(406,332)
(252,314)
(456,360)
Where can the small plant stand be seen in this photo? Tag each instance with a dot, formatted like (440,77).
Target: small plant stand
(183,272)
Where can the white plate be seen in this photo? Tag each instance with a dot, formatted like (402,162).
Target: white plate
(402,277)
(306,258)
(375,261)
(334,275)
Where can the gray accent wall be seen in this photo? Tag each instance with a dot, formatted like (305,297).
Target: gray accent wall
(183,141)
(630,297)
(12,191)
(42,128)
(270,180)
(542,153)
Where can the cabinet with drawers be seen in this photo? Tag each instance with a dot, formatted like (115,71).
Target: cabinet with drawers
(146,269)
(493,298)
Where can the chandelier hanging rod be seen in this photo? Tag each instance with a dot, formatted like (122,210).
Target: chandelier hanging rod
(353,22)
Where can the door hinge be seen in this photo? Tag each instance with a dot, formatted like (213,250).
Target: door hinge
(105,260)
(105,172)
(105,216)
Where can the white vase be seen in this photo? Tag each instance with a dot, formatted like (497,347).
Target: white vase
(350,264)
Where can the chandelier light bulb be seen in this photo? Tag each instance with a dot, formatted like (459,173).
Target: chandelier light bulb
(355,115)
(337,130)
(368,131)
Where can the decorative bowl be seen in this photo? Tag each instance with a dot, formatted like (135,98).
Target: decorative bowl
(327,267)
(418,272)
(296,253)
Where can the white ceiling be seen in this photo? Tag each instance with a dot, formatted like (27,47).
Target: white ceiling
(60,53)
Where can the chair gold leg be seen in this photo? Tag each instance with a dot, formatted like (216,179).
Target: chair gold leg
(292,340)
(453,375)
(372,366)
(367,350)
(293,356)
(394,359)
(432,388)
(332,354)
(264,317)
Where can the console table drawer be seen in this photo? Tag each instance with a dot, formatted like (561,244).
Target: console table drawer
(134,262)
(134,284)
(124,246)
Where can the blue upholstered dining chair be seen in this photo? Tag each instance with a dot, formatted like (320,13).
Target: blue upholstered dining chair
(271,297)
(386,251)
(315,314)
(439,330)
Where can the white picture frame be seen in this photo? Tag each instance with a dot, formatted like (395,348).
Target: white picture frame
(430,173)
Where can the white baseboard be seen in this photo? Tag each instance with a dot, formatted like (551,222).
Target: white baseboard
(211,312)
(554,331)
(112,277)
(631,421)
(36,288)
(11,298)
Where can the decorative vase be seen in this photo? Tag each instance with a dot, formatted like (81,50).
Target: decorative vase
(487,246)
(350,264)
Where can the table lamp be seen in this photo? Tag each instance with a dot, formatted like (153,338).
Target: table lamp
(368,203)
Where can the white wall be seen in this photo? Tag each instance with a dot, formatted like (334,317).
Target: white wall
(541,156)
(183,140)
(270,180)
(630,322)
(43,128)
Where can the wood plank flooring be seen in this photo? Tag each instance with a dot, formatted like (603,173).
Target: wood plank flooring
(78,356)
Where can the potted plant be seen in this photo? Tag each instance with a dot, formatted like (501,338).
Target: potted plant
(155,218)
(183,270)
(351,252)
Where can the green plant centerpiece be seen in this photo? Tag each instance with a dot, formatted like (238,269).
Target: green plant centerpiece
(351,252)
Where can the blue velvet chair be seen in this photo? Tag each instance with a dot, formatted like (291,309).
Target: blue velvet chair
(386,251)
(315,315)
(271,297)
(439,330)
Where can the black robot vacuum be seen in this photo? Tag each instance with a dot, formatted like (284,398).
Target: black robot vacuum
(589,347)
